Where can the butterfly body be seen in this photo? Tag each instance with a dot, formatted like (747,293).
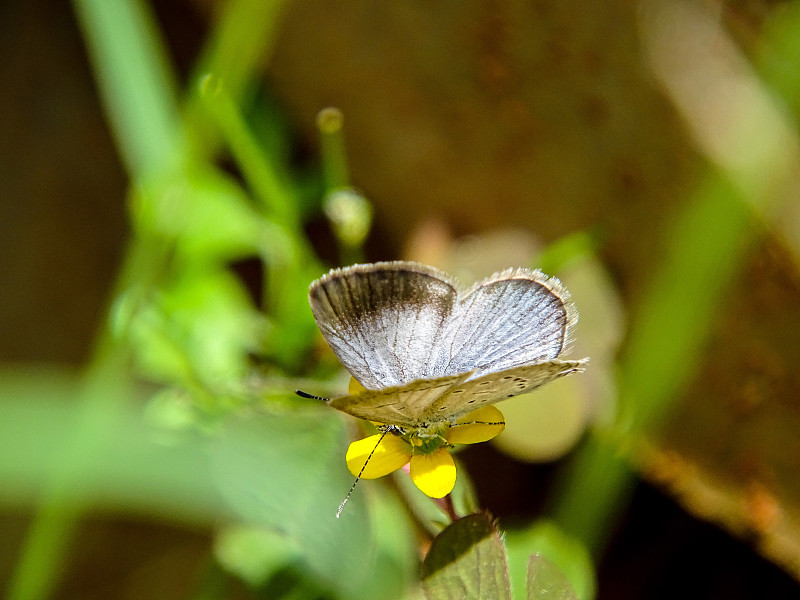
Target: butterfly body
(428,353)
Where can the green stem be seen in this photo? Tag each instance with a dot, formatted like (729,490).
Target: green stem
(262,176)
(135,81)
(239,46)
(330,123)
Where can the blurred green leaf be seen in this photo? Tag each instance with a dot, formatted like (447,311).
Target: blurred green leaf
(395,565)
(172,411)
(202,213)
(283,475)
(288,473)
(120,465)
(198,329)
(254,553)
(238,47)
(546,539)
(466,562)
(547,582)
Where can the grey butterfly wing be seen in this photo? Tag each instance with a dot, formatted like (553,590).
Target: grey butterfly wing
(472,394)
(382,320)
(516,317)
(402,405)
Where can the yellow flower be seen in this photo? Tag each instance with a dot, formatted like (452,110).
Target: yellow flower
(432,468)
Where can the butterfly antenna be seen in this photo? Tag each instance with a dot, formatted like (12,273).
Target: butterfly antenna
(303,394)
(478,423)
(358,477)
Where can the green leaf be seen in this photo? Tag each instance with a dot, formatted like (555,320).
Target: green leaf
(396,560)
(467,562)
(203,213)
(254,553)
(547,582)
(110,458)
(568,554)
(200,328)
(288,473)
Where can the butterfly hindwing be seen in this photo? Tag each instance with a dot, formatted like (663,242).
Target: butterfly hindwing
(403,406)
(514,318)
(465,397)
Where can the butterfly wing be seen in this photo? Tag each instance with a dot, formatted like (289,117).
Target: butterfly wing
(465,397)
(514,318)
(402,405)
(382,320)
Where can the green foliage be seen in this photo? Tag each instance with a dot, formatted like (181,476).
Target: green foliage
(546,582)
(242,448)
(221,442)
(283,473)
(467,561)
(559,557)
(202,216)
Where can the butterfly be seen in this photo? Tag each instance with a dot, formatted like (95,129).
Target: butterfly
(427,352)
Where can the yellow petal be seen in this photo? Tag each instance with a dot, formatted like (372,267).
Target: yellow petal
(478,426)
(434,473)
(381,459)
(355,387)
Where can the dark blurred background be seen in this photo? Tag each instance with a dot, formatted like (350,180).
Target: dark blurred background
(461,119)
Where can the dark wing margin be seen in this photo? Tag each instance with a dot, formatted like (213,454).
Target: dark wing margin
(382,320)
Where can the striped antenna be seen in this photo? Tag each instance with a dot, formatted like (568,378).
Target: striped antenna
(358,477)
(303,394)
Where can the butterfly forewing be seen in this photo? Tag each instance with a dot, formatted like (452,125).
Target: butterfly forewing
(382,320)
(403,406)
(472,394)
